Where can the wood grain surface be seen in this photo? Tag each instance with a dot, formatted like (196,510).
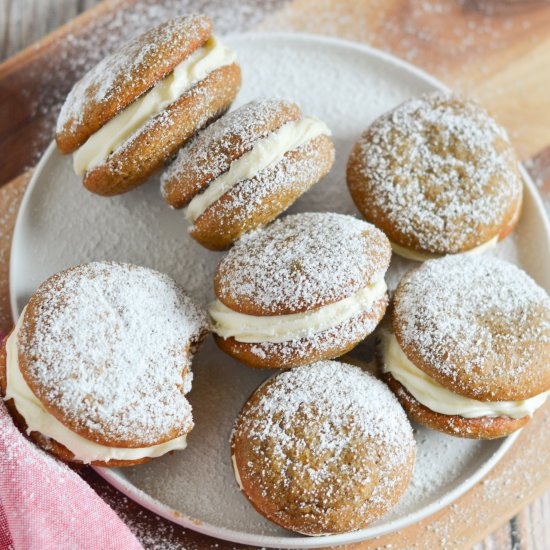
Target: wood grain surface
(498,51)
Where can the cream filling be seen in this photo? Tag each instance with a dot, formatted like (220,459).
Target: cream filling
(424,256)
(236,472)
(114,133)
(265,153)
(38,419)
(433,395)
(281,328)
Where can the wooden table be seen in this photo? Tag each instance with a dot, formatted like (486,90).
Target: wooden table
(497,50)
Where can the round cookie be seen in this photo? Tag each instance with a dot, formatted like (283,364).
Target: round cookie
(245,169)
(306,288)
(98,366)
(438,175)
(323,450)
(131,113)
(468,350)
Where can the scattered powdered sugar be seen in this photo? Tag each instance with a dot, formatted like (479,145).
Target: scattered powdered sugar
(325,438)
(213,150)
(16,449)
(111,347)
(439,170)
(140,58)
(303,261)
(481,323)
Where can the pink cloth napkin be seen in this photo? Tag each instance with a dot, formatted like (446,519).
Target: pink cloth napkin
(44,505)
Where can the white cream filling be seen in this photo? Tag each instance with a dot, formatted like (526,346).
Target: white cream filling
(38,419)
(433,395)
(114,133)
(265,153)
(424,256)
(236,471)
(281,328)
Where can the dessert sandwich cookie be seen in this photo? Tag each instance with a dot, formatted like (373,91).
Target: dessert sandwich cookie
(323,450)
(246,168)
(307,287)
(131,113)
(468,347)
(438,175)
(99,364)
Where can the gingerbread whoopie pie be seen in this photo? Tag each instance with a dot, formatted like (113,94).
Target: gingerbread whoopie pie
(131,113)
(322,450)
(99,364)
(468,349)
(438,175)
(307,287)
(246,168)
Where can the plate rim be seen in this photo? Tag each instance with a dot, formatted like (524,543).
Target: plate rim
(297,540)
(291,541)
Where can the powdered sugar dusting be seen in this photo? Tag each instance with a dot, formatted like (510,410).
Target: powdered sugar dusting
(337,393)
(480,323)
(78,52)
(303,261)
(102,84)
(439,170)
(269,191)
(325,440)
(208,155)
(111,349)
(125,158)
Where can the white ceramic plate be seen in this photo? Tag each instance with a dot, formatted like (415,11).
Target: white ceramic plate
(60,224)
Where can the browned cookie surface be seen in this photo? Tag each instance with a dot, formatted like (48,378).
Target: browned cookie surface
(324,449)
(107,349)
(212,151)
(478,326)
(300,263)
(437,175)
(125,75)
(257,201)
(46,443)
(266,189)
(331,343)
(485,427)
(161,136)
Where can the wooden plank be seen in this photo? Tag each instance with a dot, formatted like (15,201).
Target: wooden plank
(32,84)
(24,22)
(503,60)
(479,54)
(10,198)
